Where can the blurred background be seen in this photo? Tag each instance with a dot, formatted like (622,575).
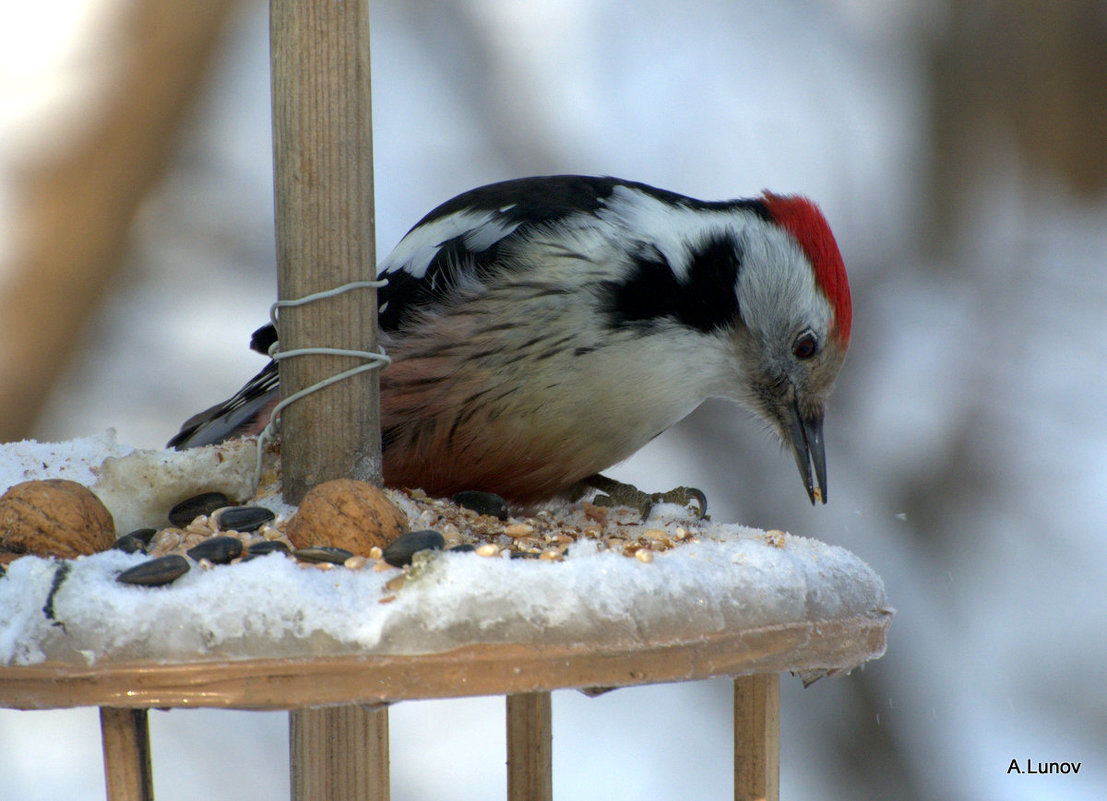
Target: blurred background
(959,150)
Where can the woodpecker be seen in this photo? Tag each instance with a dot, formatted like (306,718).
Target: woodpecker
(544,329)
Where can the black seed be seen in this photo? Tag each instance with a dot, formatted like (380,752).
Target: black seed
(55,585)
(399,551)
(189,509)
(144,534)
(523,555)
(135,542)
(322,553)
(3,571)
(217,550)
(129,543)
(268,546)
(243,518)
(484,503)
(463,548)
(156,572)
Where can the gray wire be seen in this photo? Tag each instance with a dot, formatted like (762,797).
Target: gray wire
(373,360)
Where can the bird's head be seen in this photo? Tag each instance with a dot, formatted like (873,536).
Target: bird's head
(794,303)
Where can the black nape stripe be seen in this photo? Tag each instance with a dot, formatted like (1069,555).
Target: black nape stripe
(704,299)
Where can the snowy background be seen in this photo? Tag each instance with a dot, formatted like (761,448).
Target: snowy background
(966,439)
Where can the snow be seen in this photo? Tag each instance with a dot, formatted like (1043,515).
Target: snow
(140,485)
(31,460)
(726,577)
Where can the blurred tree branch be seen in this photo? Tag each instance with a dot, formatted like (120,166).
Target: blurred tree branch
(1031,74)
(75,209)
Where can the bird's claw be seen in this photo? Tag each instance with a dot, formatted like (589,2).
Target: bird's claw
(616,493)
(684,496)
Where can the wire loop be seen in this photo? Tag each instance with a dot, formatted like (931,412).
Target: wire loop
(373,360)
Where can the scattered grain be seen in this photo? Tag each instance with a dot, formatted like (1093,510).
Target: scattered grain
(396,582)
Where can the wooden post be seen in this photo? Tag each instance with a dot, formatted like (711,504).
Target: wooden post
(339,753)
(757,737)
(529,747)
(323,166)
(126,741)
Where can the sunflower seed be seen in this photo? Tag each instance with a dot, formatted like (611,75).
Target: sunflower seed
(217,550)
(136,542)
(268,546)
(399,551)
(190,508)
(243,518)
(483,503)
(322,553)
(156,572)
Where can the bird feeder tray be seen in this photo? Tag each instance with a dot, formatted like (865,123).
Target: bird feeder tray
(499,669)
(713,600)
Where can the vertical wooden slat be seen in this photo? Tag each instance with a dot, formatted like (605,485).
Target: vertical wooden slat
(323,177)
(757,738)
(126,740)
(529,747)
(339,753)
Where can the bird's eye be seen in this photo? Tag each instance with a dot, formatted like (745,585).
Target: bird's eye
(806,346)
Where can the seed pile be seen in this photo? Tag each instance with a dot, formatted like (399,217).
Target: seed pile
(548,533)
(209,532)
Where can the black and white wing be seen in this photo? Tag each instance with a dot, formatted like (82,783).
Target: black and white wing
(465,237)
(245,413)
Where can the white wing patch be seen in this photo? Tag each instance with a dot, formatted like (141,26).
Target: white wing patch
(480,230)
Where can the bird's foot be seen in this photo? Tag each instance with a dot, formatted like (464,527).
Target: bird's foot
(616,493)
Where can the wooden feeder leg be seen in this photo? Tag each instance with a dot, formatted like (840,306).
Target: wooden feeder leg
(757,738)
(529,747)
(339,753)
(126,738)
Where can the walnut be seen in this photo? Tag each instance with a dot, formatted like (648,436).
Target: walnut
(346,513)
(54,517)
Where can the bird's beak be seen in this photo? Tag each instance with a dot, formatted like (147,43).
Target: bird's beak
(807,445)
